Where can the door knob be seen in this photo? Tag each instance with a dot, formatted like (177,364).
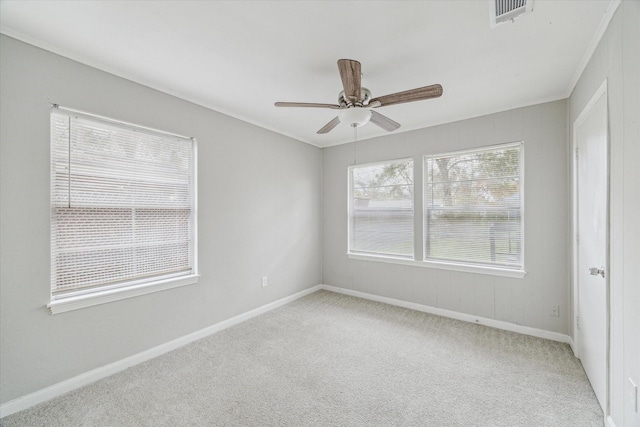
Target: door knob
(595,271)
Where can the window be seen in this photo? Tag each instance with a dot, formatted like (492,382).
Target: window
(381,209)
(473,207)
(122,210)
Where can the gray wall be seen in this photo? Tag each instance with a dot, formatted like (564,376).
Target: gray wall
(259,214)
(617,59)
(526,301)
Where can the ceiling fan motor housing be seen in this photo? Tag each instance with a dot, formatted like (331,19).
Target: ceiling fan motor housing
(365,96)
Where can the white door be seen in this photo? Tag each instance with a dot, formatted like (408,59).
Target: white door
(590,132)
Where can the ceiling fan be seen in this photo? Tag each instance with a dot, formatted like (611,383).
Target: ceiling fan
(356,104)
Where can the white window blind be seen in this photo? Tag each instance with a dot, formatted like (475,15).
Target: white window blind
(381,209)
(122,204)
(473,207)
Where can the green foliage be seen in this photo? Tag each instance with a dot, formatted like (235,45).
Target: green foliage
(483,178)
(391,181)
(487,217)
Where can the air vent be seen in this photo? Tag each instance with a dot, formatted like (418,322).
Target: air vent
(507,10)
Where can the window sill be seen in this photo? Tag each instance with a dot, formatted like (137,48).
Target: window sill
(467,268)
(101,297)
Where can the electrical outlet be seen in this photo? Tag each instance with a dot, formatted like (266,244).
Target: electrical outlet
(265,281)
(555,311)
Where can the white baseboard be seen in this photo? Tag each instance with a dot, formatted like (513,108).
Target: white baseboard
(540,333)
(81,380)
(573,347)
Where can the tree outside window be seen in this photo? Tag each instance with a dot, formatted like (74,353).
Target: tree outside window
(473,209)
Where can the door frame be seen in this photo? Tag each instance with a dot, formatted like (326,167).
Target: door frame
(601,91)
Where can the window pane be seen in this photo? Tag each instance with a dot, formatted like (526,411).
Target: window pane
(473,207)
(381,211)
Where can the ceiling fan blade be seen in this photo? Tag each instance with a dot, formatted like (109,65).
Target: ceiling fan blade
(329,126)
(411,95)
(383,121)
(351,79)
(307,104)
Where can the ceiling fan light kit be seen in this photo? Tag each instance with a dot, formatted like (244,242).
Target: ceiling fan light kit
(355,116)
(355,102)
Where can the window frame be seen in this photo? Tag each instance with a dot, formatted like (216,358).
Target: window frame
(86,297)
(365,255)
(420,200)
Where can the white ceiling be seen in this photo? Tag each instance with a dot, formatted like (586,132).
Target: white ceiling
(239,57)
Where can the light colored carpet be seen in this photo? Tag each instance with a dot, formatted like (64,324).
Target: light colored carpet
(330,359)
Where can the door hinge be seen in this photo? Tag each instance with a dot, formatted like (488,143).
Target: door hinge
(577,238)
(576,153)
(578,322)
